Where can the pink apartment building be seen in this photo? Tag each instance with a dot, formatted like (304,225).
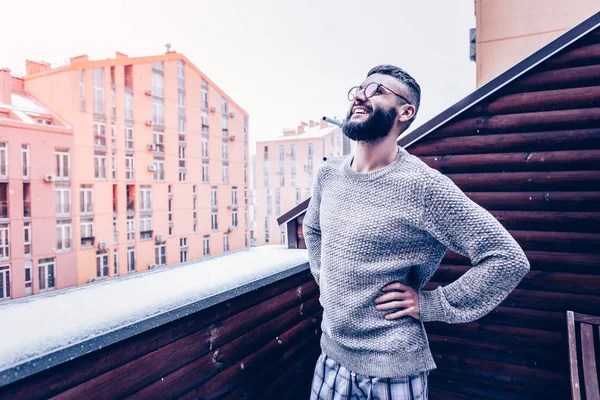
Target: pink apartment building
(285,171)
(158,165)
(36,148)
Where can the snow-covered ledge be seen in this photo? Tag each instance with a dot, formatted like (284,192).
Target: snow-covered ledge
(46,330)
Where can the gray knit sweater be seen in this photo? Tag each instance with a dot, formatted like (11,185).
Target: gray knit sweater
(366,230)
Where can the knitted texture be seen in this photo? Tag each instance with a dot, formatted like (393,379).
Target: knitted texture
(366,230)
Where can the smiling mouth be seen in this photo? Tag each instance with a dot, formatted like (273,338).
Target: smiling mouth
(360,111)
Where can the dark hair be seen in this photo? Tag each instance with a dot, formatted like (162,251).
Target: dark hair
(414,90)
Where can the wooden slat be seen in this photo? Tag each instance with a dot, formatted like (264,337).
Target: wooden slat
(588,361)
(60,378)
(523,122)
(576,57)
(537,201)
(580,242)
(516,162)
(557,78)
(573,363)
(482,142)
(549,220)
(528,181)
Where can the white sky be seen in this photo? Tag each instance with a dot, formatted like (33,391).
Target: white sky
(282,61)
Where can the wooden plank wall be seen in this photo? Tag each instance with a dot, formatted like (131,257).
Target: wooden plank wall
(530,154)
(263,344)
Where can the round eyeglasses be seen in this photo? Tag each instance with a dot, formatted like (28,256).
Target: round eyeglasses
(370,91)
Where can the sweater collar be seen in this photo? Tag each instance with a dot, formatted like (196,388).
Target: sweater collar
(368,176)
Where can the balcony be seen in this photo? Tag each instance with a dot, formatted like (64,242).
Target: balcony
(88,241)
(27,209)
(146,235)
(4,210)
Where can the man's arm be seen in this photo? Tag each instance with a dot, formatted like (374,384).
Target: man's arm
(498,261)
(311,228)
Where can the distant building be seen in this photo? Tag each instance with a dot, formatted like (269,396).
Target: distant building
(36,156)
(285,171)
(510,30)
(157,166)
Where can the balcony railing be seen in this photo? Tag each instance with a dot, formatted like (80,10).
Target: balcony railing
(88,241)
(146,235)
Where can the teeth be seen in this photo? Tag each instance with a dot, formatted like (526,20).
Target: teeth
(359,111)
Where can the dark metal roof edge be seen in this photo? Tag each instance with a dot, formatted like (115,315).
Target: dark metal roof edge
(56,357)
(294,212)
(503,79)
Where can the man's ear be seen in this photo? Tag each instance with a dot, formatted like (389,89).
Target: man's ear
(407,113)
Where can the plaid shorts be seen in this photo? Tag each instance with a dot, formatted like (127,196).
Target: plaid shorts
(331,381)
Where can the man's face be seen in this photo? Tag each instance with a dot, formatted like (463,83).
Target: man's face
(370,119)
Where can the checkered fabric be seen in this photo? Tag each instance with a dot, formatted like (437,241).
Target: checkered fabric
(331,381)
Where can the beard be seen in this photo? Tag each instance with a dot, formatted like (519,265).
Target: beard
(374,128)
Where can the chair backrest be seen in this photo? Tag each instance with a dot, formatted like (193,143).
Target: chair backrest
(584,332)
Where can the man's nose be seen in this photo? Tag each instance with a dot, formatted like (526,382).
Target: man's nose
(360,95)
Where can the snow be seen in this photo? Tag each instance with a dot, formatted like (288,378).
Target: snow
(38,325)
(26,104)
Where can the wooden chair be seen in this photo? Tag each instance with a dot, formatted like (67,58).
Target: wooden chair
(582,353)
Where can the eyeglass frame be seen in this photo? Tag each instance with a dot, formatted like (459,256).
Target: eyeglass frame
(375,91)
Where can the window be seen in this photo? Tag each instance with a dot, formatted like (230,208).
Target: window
(310,150)
(181,104)
(128,106)
(234,196)
(183,250)
(63,236)
(4,242)
(213,221)
(159,141)
(113,136)
(293,152)
(205,177)
(81,90)
(130,228)
(206,245)
(225,242)
(158,111)
(113,99)
(180,74)
(204,147)
(115,263)
(157,81)
(27,238)
(63,163)
(47,277)
(28,277)
(266,229)
(224,106)
(115,230)
(234,218)
(63,201)
(129,138)
(145,199)
(204,86)
(268,202)
(160,254)
(25,160)
(87,232)
(298,196)
(182,156)
(86,200)
(225,151)
(102,265)
(99,134)
(181,129)
(99,166)
(114,167)
(277,202)
(145,228)
(4,160)
(129,168)
(131,259)
(99,91)
(159,172)
(213,197)
(225,174)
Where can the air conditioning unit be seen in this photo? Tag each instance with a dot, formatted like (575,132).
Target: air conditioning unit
(159,237)
(231,228)
(213,109)
(148,92)
(50,178)
(102,245)
(149,122)
(170,224)
(152,266)
(232,114)
(151,147)
(152,167)
(232,138)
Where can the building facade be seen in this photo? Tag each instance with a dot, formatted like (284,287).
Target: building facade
(510,30)
(285,171)
(36,150)
(158,167)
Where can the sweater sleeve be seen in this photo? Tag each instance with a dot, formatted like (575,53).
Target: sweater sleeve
(311,228)
(498,261)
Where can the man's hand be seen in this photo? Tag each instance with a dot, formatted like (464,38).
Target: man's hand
(399,296)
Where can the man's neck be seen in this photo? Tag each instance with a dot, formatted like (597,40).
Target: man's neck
(370,157)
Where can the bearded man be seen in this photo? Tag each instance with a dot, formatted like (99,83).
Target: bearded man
(376,229)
